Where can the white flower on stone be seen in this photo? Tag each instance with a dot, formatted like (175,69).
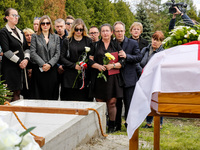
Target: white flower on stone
(28,143)
(87,49)
(8,139)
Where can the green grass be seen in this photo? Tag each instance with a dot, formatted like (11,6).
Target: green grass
(177,134)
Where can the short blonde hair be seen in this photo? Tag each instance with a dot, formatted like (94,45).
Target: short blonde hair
(28,30)
(136,24)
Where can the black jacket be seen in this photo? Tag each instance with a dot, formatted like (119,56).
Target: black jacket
(69,63)
(142,42)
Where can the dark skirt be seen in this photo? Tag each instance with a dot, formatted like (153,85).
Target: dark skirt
(44,85)
(69,94)
(107,90)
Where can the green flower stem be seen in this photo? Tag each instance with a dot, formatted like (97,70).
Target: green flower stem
(76,78)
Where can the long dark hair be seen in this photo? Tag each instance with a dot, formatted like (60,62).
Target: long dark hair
(7,13)
(51,25)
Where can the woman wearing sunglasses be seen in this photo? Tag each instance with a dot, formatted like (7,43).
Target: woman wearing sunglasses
(15,54)
(73,48)
(45,52)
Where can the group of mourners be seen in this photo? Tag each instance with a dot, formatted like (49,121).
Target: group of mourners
(70,63)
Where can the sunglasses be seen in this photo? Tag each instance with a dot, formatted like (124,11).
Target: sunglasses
(68,23)
(81,30)
(43,23)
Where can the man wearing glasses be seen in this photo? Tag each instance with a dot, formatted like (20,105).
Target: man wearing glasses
(68,23)
(94,33)
(132,55)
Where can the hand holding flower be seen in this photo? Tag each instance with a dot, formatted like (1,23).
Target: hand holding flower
(108,66)
(108,57)
(77,67)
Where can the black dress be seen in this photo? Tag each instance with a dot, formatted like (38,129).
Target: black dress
(76,48)
(114,85)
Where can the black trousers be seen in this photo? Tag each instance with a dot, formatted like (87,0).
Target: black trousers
(128,93)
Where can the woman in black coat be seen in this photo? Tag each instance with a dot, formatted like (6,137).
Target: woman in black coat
(15,54)
(73,48)
(112,89)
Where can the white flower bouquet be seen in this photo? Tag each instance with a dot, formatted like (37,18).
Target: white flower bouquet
(181,35)
(12,140)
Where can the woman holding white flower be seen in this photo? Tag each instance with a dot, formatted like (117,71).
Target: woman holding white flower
(110,89)
(74,56)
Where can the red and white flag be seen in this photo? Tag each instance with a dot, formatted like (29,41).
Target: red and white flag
(173,70)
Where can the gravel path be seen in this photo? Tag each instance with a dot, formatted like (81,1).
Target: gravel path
(112,142)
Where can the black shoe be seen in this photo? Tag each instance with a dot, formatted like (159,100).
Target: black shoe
(118,128)
(147,126)
(111,129)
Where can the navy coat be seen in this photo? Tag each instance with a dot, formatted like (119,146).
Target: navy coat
(133,56)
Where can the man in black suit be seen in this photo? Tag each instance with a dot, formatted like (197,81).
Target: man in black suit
(132,55)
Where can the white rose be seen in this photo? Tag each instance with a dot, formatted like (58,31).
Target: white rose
(3,125)
(8,139)
(198,38)
(87,49)
(193,31)
(28,143)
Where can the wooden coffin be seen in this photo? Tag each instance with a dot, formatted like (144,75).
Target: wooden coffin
(186,102)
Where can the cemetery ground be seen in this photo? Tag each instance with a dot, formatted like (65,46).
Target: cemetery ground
(176,134)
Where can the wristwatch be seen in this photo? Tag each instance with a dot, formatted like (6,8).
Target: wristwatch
(113,65)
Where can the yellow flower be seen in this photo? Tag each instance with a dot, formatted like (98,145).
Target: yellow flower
(109,56)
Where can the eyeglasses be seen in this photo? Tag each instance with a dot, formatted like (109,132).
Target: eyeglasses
(76,30)
(43,23)
(119,31)
(93,33)
(68,23)
(15,16)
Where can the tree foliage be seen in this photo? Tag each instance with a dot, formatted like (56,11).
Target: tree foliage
(95,12)
(142,17)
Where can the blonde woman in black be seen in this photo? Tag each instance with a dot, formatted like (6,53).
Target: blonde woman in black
(73,47)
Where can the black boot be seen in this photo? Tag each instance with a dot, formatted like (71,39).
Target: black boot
(111,126)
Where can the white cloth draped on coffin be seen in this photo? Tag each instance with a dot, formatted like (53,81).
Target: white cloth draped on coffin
(173,70)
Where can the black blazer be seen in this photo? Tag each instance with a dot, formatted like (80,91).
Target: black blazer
(133,56)
(15,50)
